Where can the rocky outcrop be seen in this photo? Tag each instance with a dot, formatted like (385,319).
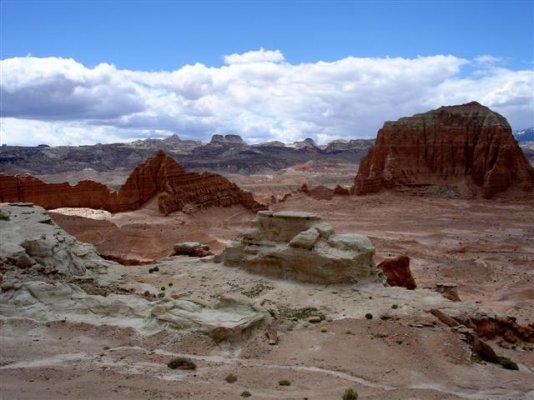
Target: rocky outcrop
(465,150)
(299,245)
(161,176)
(192,249)
(397,272)
(32,242)
(47,275)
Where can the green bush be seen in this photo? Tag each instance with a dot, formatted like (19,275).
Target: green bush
(508,364)
(305,313)
(246,393)
(181,363)
(350,395)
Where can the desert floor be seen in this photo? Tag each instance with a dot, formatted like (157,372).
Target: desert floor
(484,247)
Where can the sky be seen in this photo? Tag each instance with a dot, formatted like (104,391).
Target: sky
(83,72)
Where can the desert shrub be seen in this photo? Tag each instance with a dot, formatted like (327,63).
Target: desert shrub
(304,313)
(231,378)
(508,364)
(348,332)
(350,395)
(154,269)
(246,393)
(284,382)
(394,306)
(369,316)
(181,363)
(323,329)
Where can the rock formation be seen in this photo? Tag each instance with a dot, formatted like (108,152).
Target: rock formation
(192,249)
(397,272)
(48,275)
(299,245)
(466,149)
(159,175)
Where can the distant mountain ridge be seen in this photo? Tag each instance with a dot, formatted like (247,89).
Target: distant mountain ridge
(525,135)
(228,153)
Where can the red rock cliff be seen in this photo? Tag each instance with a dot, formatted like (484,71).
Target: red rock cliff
(159,176)
(467,147)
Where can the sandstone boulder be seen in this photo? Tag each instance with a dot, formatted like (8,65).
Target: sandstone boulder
(464,150)
(397,272)
(192,249)
(299,245)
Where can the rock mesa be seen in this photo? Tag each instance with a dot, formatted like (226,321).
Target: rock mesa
(176,190)
(465,149)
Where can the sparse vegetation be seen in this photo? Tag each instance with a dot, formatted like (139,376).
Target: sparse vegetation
(246,393)
(304,313)
(507,363)
(230,378)
(394,306)
(256,290)
(350,394)
(153,269)
(284,382)
(181,363)
(369,316)
(162,288)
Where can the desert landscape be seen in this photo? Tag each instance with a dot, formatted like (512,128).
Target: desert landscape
(409,278)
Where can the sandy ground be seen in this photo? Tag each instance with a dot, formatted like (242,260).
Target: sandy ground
(402,353)
(485,247)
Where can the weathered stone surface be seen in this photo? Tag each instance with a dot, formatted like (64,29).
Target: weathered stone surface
(456,150)
(298,245)
(30,240)
(448,290)
(397,272)
(159,175)
(48,275)
(192,249)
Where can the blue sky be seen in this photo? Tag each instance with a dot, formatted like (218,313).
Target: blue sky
(156,35)
(86,71)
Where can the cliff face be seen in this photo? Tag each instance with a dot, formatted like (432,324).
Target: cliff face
(468,147)
(159,176)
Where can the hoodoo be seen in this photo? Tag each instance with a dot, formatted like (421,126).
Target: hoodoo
(465,149)
(176,188)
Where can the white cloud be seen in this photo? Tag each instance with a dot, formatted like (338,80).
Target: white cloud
(257,95)
(255,56)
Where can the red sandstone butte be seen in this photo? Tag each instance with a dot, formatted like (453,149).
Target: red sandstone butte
(397,272)
(467,148)
(159,175)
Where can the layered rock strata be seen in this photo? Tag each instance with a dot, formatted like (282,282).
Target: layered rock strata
(176,190)
(456,150)
(299,245)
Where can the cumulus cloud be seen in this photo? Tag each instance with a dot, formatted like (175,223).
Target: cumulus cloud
(256,94)
(51,88)
(255,56)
